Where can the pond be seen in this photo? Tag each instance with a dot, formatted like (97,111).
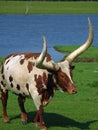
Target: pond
(23,33)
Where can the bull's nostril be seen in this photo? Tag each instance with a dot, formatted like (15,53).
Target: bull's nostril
(74,91)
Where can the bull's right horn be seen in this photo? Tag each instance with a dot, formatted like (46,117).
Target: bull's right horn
(84,47)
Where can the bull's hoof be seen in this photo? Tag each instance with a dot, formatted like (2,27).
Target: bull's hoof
(43,128)
(36,124)
(24,122)
(6,120)
(24,118)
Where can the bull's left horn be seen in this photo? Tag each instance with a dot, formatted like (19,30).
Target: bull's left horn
(84,47)
(50,65)
(43,54)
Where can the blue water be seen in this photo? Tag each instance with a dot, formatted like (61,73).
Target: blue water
(23,33)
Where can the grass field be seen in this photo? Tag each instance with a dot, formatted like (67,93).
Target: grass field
(22,7)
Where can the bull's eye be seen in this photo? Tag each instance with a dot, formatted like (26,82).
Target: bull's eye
(62,76)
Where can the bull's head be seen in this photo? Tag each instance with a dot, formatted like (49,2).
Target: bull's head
(63,70)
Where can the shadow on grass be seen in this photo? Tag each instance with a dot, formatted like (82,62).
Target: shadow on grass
(56,120)
(53,119)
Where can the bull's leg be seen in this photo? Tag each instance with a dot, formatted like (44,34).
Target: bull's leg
(42,124)
(21,101)
(39,118)
(4,98)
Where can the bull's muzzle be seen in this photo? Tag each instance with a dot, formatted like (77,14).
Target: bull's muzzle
(74,91)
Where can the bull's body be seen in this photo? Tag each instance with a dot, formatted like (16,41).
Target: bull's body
(21,76)
(36,75)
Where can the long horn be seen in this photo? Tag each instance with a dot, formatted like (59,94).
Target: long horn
(43,54)
(41,63)
(84,47)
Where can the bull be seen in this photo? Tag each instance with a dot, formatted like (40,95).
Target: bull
(37,76)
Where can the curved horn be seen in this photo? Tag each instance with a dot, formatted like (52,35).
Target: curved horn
(42,55)
(84,47)
(50,65)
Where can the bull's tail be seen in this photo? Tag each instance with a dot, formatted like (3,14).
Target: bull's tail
(0,82)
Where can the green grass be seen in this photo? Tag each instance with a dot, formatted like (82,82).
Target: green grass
(35,7)
(65,112)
